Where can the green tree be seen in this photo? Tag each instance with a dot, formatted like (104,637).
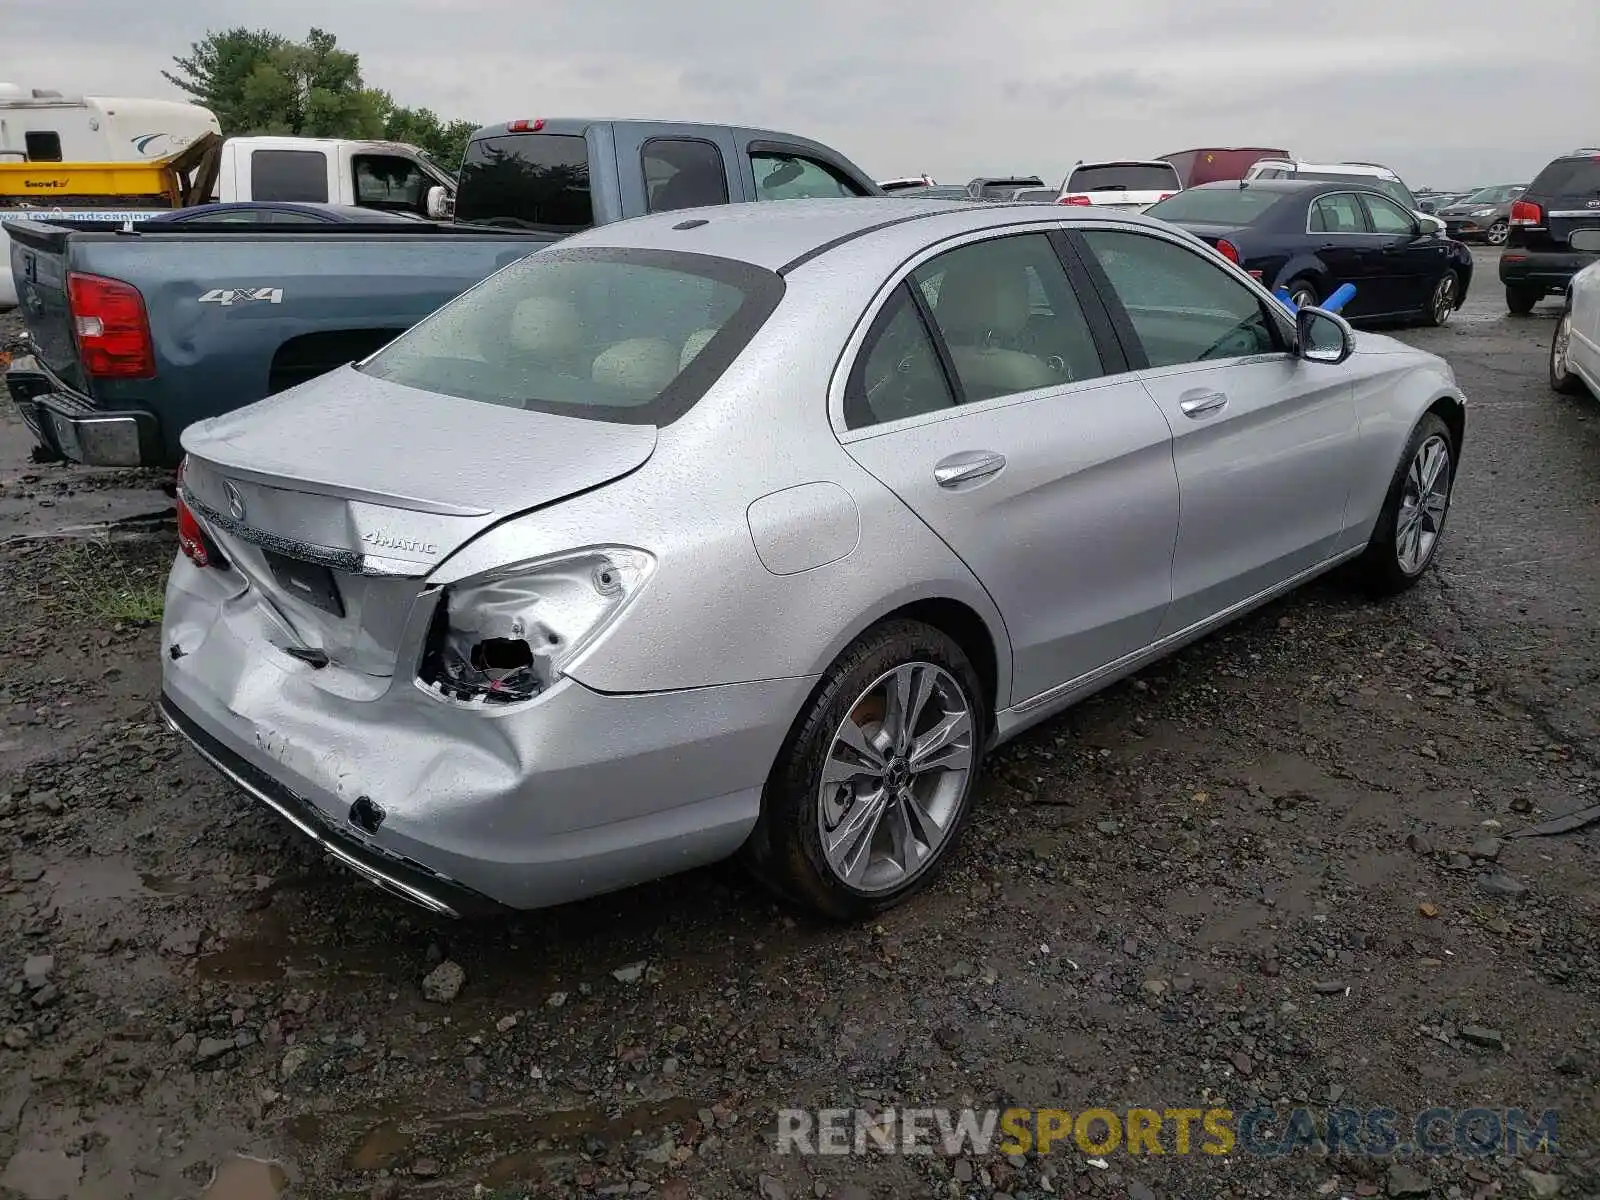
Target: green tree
(257,81)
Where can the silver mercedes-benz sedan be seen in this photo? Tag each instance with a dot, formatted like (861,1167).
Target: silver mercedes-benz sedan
(752,529)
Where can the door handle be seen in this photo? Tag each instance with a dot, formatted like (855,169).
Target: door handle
(967,466)
(1200,404)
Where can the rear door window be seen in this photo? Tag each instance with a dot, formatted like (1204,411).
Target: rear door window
(1340,213)
(289,175)
(526,181)
(683,173)
(783,176)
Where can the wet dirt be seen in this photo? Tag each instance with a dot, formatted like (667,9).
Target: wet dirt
(1245,877)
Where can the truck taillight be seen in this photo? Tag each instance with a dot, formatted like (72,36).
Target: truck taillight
(1228,250)
(113,332)
(1081,201)
(1526,212)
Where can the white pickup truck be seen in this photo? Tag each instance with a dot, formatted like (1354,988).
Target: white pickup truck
(386,176)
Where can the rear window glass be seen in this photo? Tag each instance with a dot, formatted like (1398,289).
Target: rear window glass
(1569,177)
(1224,206)
(609,334)
(526,181)
(289,175)
(1124,177)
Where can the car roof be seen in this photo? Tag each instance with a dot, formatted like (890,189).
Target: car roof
(781,234)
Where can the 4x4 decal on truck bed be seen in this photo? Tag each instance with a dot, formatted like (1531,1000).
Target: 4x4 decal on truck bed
(227,296)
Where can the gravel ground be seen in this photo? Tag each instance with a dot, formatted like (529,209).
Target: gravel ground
(1279,869)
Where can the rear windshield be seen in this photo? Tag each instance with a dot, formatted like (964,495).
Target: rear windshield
(1221,206)
(610,334)
(1124,177)
(1569,177)
(526,181)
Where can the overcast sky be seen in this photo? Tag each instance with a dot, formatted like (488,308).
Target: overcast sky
(1447,93)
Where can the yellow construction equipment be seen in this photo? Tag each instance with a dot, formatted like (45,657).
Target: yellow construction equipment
(177,181)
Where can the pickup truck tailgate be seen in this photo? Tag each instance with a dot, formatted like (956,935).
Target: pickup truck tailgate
(39,266)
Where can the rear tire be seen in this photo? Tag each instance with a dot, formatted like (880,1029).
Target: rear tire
(1442,300)
(1561,377)
(1392,561)
(1520,300)
(801,847)
(1498,233)
(1302,291)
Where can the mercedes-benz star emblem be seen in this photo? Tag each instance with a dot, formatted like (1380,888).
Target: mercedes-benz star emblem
(235,501)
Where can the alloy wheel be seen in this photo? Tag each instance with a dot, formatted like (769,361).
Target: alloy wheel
(1444,299)
(1424,500)
(1559,346)
(1498,233)
(1303,297)
(896,776)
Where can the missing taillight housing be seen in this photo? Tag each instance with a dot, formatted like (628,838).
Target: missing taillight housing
(111,327)
(506,636)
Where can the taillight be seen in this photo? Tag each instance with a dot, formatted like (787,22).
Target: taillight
(1082,201)
(192,539)
(1526,212)
(1228,250)
(113,332)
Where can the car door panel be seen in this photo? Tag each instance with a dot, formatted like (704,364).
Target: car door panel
(1337,225)
(1409,261)
(1265,477)
(1263,443)
(981,397)
(1072,536)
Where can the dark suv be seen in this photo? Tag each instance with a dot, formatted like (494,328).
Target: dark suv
(1537,260)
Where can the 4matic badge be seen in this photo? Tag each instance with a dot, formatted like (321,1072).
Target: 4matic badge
(230,296)
(384,540)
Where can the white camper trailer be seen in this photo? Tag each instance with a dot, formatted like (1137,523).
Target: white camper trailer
(39,125)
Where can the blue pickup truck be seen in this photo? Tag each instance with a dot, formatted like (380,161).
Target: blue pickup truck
(140,331)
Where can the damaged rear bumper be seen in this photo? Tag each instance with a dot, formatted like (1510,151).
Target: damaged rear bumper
(572,795)
(66,424)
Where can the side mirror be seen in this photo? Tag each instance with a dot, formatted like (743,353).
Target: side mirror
(1430,223)
(1586,240)
(1322,337)
(441,204)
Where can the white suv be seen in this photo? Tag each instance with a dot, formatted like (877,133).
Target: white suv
(1127,185)
(1372,174)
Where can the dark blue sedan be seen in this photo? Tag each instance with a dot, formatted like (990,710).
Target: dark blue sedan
(278,212)
(1309,236)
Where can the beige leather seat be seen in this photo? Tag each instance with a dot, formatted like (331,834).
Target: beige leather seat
(639,368)
(548,331)
(983,304)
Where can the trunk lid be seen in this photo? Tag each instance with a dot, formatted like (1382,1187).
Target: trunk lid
(335,499)
(1209,234)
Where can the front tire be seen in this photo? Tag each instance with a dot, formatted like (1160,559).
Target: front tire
(874,785)
(1406,538)
(1442,301)
(1520,300)
(1561,377)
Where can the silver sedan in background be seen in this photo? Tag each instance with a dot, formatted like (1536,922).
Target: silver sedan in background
(752,529)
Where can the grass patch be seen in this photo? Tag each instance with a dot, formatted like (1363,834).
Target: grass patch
(103,582)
